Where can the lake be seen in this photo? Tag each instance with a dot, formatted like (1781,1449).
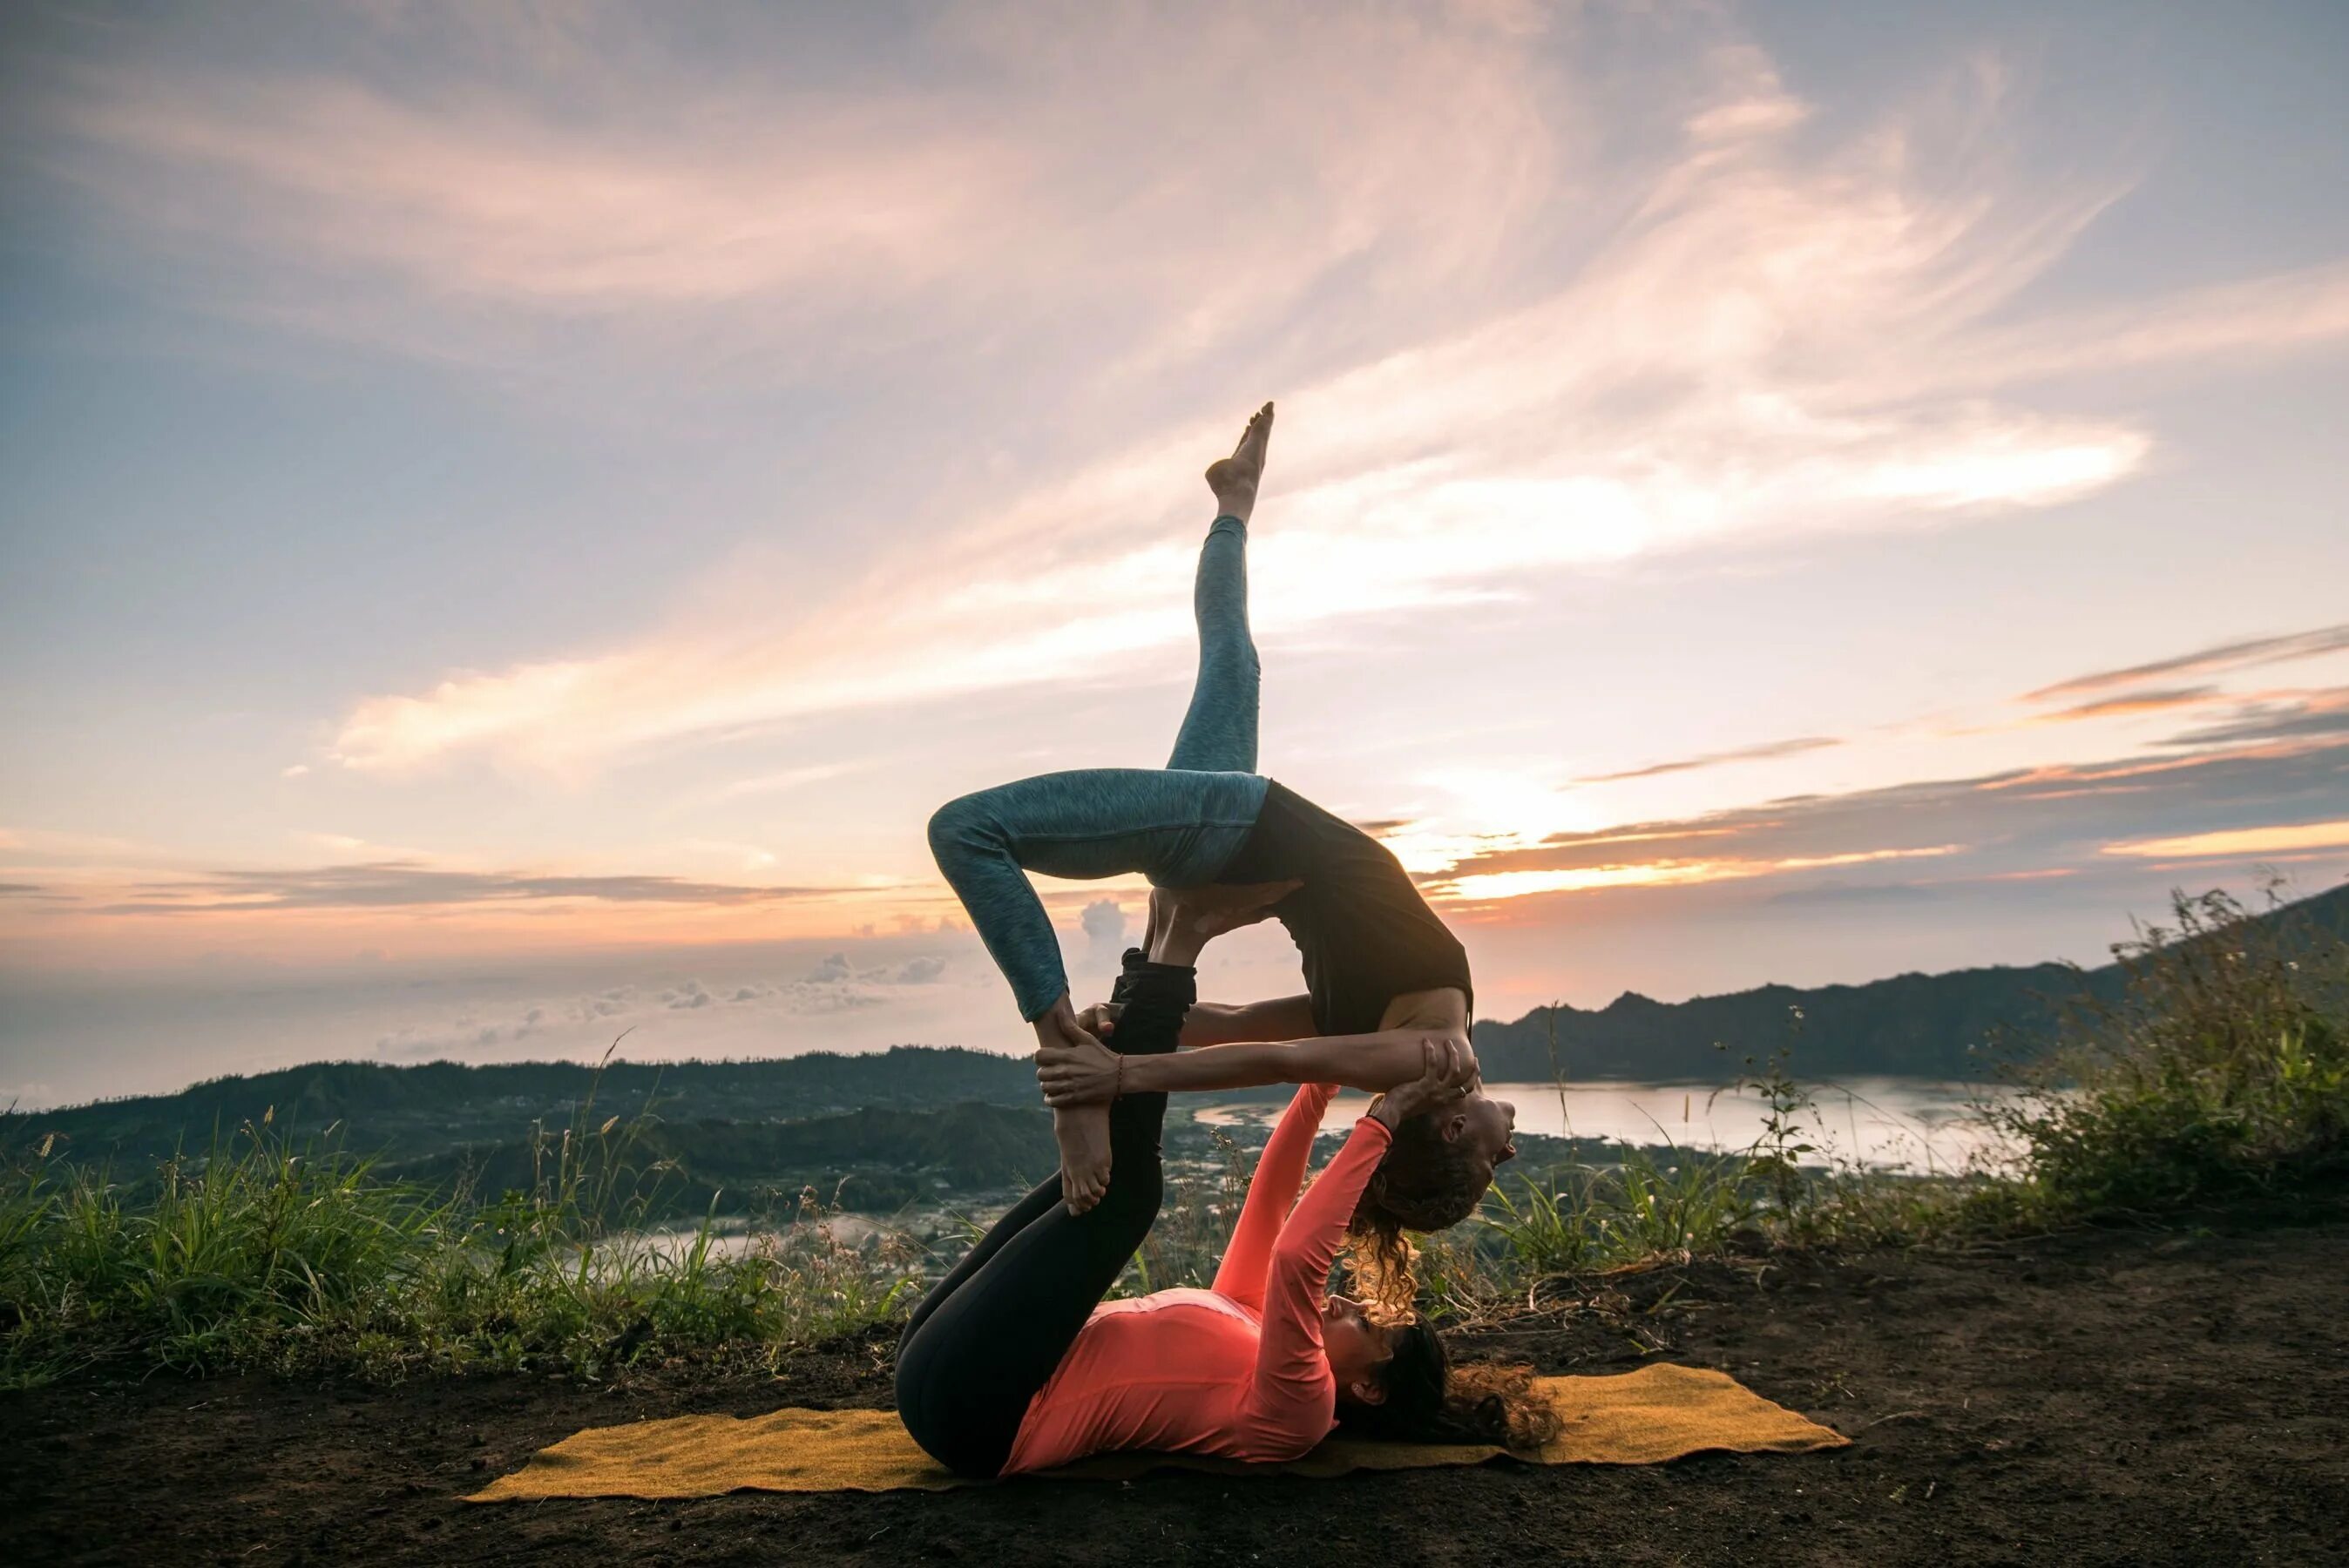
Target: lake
(1911,1124)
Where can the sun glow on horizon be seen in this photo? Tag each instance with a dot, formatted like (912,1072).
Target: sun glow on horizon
(1489,887)
(2238,841)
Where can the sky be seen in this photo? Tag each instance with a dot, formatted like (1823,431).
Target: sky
(513,516)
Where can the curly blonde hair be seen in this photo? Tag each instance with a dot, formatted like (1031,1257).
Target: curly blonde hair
(1425,1183)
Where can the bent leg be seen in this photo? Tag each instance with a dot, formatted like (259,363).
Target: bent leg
(1219,730)
(1179,829)
(1016,1219)
(994,1332)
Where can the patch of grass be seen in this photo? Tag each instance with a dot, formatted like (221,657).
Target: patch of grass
(1598,1217)
(273,1253)
(2223,1070)
(1195,1224)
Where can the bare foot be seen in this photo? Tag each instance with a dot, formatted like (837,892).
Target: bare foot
(1234,478)
(1082,1133)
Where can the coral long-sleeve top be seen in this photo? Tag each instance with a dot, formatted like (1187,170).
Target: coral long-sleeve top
(1237,1371)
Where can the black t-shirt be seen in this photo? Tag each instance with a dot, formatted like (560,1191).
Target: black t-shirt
(1363,932)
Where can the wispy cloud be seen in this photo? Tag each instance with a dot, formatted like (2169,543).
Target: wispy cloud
(2248,653)
(1763,752)
(401,883)
(835,986)
(1770,332)
(2284,717)
(2155,701)
(1734,363)
(2243,802)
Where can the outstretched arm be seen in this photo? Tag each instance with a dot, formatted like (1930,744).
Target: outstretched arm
(1279,1172)
(1087,1073)
(1290,1392)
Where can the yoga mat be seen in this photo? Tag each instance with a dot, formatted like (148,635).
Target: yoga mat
(1657,1413)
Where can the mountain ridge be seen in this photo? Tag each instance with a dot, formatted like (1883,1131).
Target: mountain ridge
(1914,1025)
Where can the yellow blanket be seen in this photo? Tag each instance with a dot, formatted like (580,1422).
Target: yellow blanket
(1659,1412)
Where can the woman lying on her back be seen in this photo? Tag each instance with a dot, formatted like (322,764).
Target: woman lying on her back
(1015,1363)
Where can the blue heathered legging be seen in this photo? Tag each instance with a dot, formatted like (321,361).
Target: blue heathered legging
(1179,826)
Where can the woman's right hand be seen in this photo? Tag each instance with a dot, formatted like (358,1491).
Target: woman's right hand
(1075,1075)
(1448,1073)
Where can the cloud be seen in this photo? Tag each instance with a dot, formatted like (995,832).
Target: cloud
(2020,822)
(690,995)
(2245,318)
(835,969)
(835,986)
(2136,702)
(1104,924)
(1792,747)
(2248,653)
(2292,717)
(405,883)
(1770,330)
(477,201)
(804,196)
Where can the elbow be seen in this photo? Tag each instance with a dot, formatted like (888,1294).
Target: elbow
(1298,1267)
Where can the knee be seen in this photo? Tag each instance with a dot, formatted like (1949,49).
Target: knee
(957,825)
(1137,1188)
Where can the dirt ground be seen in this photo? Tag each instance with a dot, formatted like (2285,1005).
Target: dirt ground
(2177,1395)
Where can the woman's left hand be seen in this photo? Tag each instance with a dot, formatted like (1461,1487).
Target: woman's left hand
(1448,1073)
(1083,1074)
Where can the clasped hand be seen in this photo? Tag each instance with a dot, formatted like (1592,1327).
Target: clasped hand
(1449,1074)
(1081,1072)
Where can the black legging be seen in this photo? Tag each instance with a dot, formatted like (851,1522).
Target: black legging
(993,1332)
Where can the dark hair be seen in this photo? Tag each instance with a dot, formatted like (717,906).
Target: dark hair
(1425,1183)
(1430,1400)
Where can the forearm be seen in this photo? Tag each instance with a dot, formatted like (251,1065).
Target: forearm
(1251,1064)
(1374,1063)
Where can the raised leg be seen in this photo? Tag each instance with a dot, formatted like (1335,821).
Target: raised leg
(1219,730)
(994,1331)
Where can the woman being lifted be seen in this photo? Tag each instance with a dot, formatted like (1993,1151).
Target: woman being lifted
(1382,974)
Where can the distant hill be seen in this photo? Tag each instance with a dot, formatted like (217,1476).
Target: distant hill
(411,1112)
(1916,1025)
(912,1121)
(870,1160)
